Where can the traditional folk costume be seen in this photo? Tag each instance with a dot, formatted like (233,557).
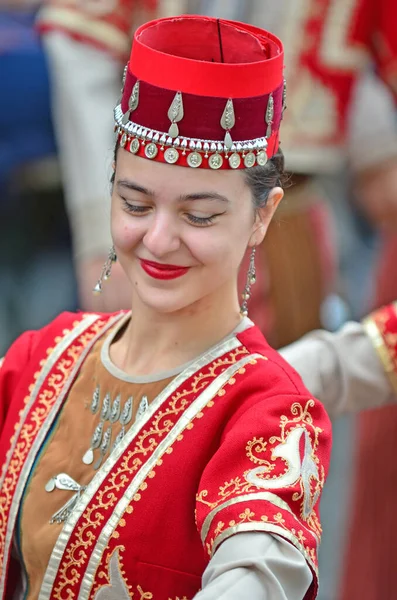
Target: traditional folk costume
(208,476)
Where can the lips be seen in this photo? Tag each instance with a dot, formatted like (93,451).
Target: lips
(162,271)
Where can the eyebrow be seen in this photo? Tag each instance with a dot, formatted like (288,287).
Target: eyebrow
(131,185)
(204,196)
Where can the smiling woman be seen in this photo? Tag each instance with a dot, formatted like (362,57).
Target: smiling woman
(195,467)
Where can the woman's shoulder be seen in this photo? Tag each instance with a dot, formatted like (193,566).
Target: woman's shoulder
(67,325)
(271,370)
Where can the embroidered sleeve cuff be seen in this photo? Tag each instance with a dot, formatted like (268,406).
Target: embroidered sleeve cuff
(262,511)
(381,328)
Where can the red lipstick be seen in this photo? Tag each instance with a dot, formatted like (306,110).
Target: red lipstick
(161,271)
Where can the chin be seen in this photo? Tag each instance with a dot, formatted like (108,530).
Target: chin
(165,303)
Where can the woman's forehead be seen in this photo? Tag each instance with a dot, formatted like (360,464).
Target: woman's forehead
(176,180)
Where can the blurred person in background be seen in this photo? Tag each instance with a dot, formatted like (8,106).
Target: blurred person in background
(87,44)
(36,270)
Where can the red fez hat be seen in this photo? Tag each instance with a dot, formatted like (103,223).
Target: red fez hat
(202,92)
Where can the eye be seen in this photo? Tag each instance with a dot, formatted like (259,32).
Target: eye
(134,208)
(202,221)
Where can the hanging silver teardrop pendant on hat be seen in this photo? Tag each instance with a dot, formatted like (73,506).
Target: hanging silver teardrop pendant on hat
(133,103)
(101,444)
(175,115)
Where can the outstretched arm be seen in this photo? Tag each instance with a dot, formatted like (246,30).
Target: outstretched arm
(353,369)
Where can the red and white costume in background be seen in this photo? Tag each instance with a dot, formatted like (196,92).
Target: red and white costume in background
(327,45)
(105,24)
(87,44)
(233,444)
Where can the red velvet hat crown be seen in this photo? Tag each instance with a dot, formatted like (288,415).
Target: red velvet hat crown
(202,92)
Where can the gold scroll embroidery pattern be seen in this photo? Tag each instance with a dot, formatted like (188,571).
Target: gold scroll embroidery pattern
(310,470)
(240,485)
(75,556)
(42,407)
(116,586)
(297,537)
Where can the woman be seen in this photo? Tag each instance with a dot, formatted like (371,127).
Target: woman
(154,453)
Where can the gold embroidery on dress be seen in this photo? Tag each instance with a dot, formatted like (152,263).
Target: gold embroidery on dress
(249,521)
(285,447)
(117,588)
(305,470)
(106,498)
(42,407)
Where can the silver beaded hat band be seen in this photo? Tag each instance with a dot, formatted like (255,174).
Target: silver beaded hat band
(184,104)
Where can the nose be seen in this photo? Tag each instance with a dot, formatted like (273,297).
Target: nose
(161,237)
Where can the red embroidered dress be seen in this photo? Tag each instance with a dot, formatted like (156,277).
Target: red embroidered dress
(233,443)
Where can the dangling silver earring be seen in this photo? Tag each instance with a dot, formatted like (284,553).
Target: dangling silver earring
(251,278)
(106,270)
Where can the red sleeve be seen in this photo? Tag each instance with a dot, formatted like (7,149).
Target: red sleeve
(12,367)
(268,475)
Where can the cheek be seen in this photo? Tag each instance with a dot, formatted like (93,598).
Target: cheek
(126,232)
(219,248)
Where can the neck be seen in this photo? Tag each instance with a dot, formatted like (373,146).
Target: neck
(155,341)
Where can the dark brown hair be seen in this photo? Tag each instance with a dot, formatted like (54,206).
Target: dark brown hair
(261,180)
